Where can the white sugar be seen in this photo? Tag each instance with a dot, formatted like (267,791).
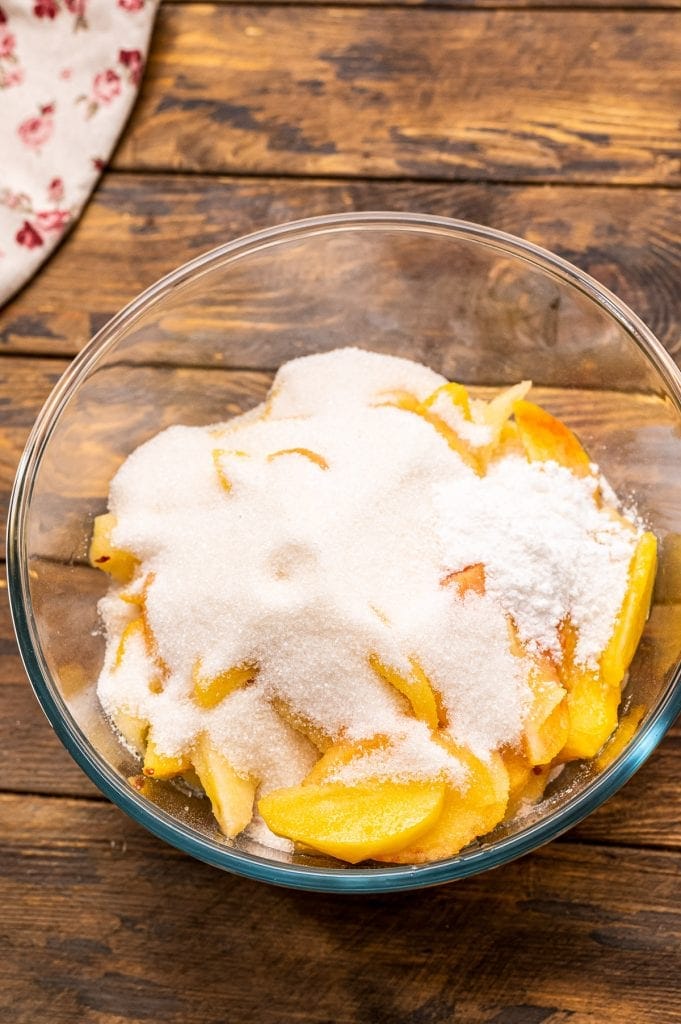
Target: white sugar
(549,551)
(314,533)
(411,754)
(476,434)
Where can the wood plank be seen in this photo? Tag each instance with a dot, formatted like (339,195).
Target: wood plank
(102,923)
(140,227)
(472,4)
(418,93)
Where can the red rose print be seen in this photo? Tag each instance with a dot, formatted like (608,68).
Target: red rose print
(15,76)
(98,163)
(132,60)
(53,220)
(131,5)
(28,236)
(35,131)
(76,7)
(55,190)
(3,17)
(47,109)
(7,43)
(106,86)
(46,9)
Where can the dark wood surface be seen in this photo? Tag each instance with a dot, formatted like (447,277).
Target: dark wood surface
(557,124)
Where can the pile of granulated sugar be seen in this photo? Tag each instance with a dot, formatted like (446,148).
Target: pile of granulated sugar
(314,532)
(549,551)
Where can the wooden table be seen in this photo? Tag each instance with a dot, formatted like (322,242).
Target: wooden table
(560,124)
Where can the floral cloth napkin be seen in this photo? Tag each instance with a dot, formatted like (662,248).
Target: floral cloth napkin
(69,74)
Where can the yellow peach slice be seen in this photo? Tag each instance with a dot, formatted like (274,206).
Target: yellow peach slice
(208,691)
(592,714)
(314,457)
(134,628)
(354,823)
(162,766)
(547,723)
(415,687)
(546,438)
(472,579)
(409,403)
(119,564)
(457,395)
(498,411)
(341,754)
(625,732)
(310,730)
(526,782)
(231,795)
(621,648)
(467,812)
(132,728)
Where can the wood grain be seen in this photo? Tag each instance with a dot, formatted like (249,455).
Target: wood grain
(140,227)
(398,92)
(108,925)
(473,4)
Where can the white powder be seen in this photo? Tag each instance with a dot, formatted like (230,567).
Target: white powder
(476,434)
(409,755)
(316,531)
(549,551)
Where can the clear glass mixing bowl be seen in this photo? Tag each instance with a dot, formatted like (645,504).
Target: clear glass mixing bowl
(202,344)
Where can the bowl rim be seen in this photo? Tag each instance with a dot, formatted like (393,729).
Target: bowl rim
(164,825)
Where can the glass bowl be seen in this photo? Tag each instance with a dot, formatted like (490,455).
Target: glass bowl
(202,344)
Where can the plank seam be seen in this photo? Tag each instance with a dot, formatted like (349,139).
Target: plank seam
(350,179)
(443,7)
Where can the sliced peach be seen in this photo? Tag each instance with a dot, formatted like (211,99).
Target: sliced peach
(314,457)
(592,715)
(339,755)
(467,813)
(415,687)
(208,691)
(497,412)
(621,648)
(133,729)
(457,395)
(134,628)
(546,438)
(354,823)
(119,564)
(547,724)
(162,766)
(409,403)
(526,782)
(310,730)
(472,579)
(231,795)
(625,732)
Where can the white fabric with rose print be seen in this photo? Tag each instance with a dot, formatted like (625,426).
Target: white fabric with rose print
(69,73)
